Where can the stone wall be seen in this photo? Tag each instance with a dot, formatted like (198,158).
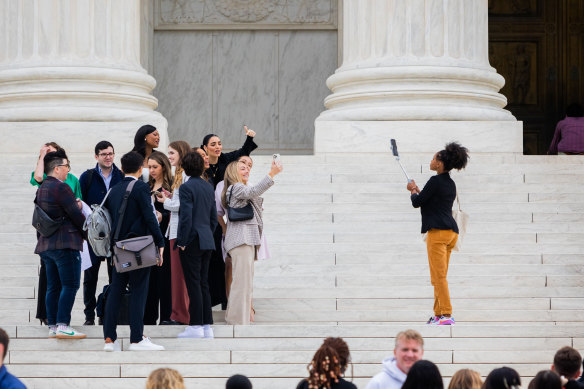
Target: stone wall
(218,68)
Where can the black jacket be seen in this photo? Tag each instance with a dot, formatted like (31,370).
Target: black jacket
(217,172)
(436,201)
(197,214)
(93,187)
(139,219)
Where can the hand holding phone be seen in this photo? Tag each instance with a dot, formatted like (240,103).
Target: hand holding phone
(276,158)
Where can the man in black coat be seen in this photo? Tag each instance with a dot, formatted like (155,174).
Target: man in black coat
(138,220)
(94,186)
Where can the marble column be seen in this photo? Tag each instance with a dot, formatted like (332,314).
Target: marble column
(70,71)
(417,70)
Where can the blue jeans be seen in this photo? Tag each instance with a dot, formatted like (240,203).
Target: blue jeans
(63,278)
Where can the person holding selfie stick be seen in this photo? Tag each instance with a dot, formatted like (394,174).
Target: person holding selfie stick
(435,201)
(218,160)
(243,238)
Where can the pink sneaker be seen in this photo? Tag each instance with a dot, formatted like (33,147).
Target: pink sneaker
(433,320)
(446,321)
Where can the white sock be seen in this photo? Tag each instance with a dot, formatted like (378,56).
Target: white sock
(62,327)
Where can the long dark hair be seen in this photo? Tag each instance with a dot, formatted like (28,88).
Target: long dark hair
(140,139)
(454,156)
(423,375)
(502,378)
(163,161)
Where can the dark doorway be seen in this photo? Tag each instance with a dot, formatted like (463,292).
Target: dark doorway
(538,46)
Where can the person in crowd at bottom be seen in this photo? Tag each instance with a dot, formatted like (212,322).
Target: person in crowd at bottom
(243,237)
(546,379)
(567,364)
(139,220)
(409,348)
(327,368)
(165,378)
(159,286)
(37,177)
(465,379)
(60,251)
(197,221)
(7,380)
(424,375)
(238,381)
(435,202)
(502,378)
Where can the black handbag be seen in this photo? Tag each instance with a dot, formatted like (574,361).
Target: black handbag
(133,253)
(43,223)
(239,214)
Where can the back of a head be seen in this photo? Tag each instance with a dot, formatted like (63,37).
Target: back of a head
(193,164)
(546,379)
(342,350)
(465,379)
(238,381)
(424,375)
(567,362)
(52,159)
(454,156)
(4,341)
(165,378)
(502,378)
(132,162)
(574,110)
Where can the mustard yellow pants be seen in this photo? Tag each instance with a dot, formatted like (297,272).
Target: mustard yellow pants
(439,244)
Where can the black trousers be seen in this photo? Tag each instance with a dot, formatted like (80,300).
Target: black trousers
(41,312)
(159,290)
(195,264)
(217,272)
(138,280)
(90,278)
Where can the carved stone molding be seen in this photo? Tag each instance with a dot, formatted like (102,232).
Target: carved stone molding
(245,14)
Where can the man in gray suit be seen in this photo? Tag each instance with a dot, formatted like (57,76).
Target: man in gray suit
(197,221)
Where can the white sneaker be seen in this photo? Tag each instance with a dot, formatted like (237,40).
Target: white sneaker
(145,345)
(52,332)
(66,332)
(114,346)
(192,332)
(208,331)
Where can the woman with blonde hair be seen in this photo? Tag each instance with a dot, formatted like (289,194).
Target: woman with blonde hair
(165,378)
(466,379)
(180,298)
(242,238)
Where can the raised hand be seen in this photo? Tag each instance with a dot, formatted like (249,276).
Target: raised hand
(249,132)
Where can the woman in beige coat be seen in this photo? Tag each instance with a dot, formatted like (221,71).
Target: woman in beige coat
(242,238)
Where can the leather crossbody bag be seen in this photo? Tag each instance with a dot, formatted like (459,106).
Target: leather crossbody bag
(239,214)
(43,223)
(134,253)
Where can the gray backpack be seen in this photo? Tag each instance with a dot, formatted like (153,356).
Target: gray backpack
(99,227)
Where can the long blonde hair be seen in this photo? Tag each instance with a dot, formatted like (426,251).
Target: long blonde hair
(465,379)
(182,148)
(231,177)
(165,378)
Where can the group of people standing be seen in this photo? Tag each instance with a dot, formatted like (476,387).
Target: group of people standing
(205,260)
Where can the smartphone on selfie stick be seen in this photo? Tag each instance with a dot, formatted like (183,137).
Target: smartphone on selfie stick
(396,155)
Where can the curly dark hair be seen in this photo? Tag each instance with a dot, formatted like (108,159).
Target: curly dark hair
(328,364)
(454,156)
(193,164)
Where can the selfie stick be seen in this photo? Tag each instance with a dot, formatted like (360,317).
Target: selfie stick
(396,155)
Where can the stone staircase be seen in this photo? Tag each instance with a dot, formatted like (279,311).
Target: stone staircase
(348,260)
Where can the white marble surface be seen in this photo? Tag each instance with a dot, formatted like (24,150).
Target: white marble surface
(415,60)
(417,136)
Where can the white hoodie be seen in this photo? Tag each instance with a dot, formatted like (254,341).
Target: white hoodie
(390,378)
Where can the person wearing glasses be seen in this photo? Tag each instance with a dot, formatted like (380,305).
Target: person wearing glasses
(60,250)
(95,183)
(37,177)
